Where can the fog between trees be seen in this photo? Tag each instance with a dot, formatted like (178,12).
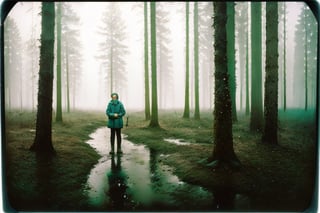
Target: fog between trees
(92,37)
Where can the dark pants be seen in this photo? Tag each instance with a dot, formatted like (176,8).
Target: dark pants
(114,132)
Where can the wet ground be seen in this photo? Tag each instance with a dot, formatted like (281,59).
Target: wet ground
(137,180)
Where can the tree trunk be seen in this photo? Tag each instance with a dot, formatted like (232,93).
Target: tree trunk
(231,56)
(154,114)
(32,61)
(247,68)
(186,113)
(59,98)
(6,75)
(20,95)
(271,79)
(306,62)
(256,68)
(43,139)
(68,80)
(242,60)
(223,140)
(284,58)
(146,64)
(196,62)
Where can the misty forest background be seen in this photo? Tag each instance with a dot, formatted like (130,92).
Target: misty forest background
(238,70)
(97,56)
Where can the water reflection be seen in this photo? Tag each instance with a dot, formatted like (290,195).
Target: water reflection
(117,180)
(138,180)
(224,198)
(176,141)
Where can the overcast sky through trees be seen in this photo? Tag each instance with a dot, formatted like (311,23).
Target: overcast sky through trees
(91,94)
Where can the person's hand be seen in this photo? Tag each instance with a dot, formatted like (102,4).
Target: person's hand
(115,115)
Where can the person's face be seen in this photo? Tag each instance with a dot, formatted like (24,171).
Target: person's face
(114,97)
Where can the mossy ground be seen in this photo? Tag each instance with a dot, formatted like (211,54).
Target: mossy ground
(276,178)
(40,183)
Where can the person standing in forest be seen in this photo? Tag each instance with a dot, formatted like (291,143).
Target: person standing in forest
(115,111)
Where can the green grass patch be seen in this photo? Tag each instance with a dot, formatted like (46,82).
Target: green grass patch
(57,183)
(277,178)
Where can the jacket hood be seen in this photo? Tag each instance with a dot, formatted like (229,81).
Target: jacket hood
(115,94)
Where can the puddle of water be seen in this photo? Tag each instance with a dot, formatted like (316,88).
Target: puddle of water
(176,141)
(137,180)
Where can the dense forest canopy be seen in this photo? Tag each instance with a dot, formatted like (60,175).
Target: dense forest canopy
(105,56)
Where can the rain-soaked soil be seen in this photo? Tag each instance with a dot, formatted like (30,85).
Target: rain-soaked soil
(138,180)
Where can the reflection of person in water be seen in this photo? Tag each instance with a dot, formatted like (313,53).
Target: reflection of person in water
(224,198)
(117,184)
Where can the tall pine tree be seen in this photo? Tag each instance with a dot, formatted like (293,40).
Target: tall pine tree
(186,112)
(154,122)
(196,61)
(231,56)
(146,64)
(256,68)
(223,152)
(59,92)
(271,79)
(43,138)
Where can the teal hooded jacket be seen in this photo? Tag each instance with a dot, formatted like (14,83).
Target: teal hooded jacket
(115,107)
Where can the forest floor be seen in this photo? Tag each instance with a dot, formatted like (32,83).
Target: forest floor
(274,177)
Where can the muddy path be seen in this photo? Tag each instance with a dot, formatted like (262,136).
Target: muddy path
(138,180)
